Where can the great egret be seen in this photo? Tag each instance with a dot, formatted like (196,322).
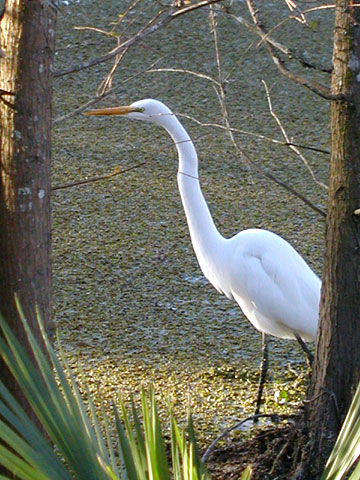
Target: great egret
(274,287)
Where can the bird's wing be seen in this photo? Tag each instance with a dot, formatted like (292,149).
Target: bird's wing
(279,288)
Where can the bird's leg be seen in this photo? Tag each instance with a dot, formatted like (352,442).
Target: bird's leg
(263,371)
(303,345)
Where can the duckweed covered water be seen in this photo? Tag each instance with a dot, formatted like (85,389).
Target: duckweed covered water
(131,305)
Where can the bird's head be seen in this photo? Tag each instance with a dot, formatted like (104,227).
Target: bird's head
(148,110)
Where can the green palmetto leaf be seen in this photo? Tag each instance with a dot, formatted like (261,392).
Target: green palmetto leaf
(109,442)
(80,451)
(198,466)
(177,448)
(31,445)
(133,453)
(19,467)
(143,447)
(32,448)
(186,461)
(154,440)
(60,411)
(247,473)
(127,447)
(347,447)
(140,439)
(356,473)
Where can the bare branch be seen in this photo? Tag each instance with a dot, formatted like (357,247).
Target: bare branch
(170,15)
(290,189)
(292,147)
(117,171)
(300,17)
(106,84)
(184,70)
(95,29)
(256,135)
(95,100)
(286,143)
(273,416)
(195,6)
(315,87)
(119,49)
(289,52)
(81,109)
(262,171)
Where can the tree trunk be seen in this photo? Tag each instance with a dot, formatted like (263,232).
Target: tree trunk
(27,44)
(336,370)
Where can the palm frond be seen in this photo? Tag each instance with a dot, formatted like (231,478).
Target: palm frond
(347,447)
(77,449)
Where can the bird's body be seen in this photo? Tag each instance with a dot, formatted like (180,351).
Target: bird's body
(275,288)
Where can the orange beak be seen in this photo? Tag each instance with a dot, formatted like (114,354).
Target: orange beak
(114,111)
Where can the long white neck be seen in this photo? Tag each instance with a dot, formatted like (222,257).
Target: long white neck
(205,237)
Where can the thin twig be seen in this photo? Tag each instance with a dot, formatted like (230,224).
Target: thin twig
(221,95)
(287,187)
(106,84)
(97,99)
(290,53)
(256,135)
(273,416)
(124,15)
(195,6)
(315,87)
(93,101)
(324,7)
(117,50)
(293,7)
(149,29)
(287,142)
(184,70)
(95,29)
(292,147)
(116,172)
(282,452)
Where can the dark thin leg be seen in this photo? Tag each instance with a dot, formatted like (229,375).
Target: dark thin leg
(263,371)
(303,345)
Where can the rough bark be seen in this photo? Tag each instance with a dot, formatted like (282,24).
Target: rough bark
(336,370)
(27,44)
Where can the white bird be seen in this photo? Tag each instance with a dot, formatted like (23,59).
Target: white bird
(274,287)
